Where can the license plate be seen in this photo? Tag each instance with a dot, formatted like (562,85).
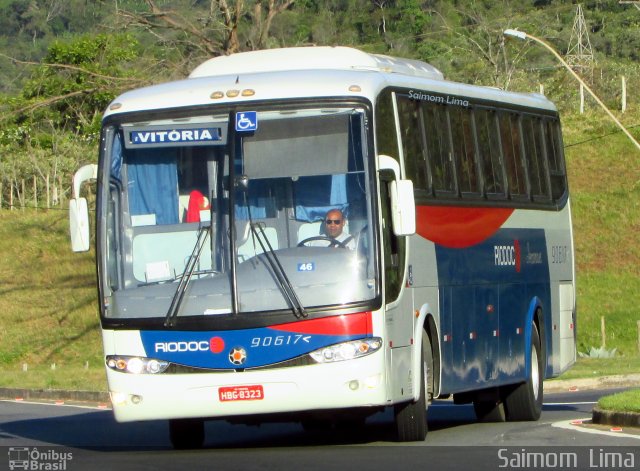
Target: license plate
(241,393)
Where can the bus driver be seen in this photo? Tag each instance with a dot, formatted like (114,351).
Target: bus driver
(334,223)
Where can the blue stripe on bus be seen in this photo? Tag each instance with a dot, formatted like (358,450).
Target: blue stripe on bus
(233,349)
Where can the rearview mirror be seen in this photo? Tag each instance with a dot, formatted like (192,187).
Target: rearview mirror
(403,207)
(79,224)
(78,210)
(403,203)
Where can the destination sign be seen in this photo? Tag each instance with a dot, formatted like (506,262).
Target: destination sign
(163,136)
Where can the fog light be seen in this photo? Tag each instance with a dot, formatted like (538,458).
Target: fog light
(135,399)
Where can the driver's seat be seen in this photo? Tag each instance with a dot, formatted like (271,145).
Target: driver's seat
(309,229)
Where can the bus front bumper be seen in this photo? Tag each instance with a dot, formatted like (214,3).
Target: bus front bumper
(346,384)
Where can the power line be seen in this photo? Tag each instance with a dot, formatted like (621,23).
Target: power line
(617,131)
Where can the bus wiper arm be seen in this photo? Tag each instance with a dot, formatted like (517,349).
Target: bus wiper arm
(178,296)
(283,280)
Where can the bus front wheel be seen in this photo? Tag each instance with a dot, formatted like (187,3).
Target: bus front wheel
(411,417)
(524,402)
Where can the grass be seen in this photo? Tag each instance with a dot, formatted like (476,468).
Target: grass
(608,294)
(48,306)
(73,378)
(597,367)
(627,401)
(604,177)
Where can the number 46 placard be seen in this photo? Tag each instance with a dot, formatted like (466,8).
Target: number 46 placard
(306,266)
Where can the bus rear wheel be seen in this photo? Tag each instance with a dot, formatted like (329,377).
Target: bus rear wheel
(524,402)
(186,434)
(411,417)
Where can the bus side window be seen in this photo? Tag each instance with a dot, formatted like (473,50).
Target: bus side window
(534,148)
(413,143)
(511,149)
(490,154)
(436,126)
(464,151)
(553,143)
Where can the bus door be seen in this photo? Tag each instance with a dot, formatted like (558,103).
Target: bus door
(398,302)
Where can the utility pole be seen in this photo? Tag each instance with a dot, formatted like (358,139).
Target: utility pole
(580,54)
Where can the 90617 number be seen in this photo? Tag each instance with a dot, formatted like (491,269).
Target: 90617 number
(279,340)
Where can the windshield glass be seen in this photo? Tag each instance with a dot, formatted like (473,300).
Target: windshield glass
(244,213)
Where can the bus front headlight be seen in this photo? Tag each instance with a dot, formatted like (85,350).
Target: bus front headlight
(347,350)
(136,365)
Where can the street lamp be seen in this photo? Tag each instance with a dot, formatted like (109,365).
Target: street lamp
(522,35)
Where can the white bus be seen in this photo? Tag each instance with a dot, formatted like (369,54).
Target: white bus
(224,294)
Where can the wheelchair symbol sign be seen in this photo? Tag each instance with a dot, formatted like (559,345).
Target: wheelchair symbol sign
(247,121)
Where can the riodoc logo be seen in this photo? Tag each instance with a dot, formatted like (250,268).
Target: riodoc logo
(507,255)
(214,345)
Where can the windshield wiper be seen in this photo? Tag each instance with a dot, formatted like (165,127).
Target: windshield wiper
(289,293)
(283,280)
(178,296)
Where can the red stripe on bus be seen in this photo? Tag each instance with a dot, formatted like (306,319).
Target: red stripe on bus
(459,227)
(348,324)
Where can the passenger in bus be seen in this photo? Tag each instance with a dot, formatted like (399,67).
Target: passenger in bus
(333,225)
(197,202)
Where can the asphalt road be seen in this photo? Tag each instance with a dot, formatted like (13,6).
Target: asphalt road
(78,438)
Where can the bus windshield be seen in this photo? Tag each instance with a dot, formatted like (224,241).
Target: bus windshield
(229,214)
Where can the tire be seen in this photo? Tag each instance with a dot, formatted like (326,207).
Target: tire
(524,402)
(411,417)
(489,411)
(186,434)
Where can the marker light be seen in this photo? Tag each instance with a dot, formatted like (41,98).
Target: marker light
(347,350)
(118,398)
(136,365)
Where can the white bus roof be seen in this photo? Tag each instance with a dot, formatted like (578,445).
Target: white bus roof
(312,58)
(305,72)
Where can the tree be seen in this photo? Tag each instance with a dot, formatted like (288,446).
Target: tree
(70,88)
(225,27)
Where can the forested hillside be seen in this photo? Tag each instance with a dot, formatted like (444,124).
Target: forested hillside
(62,61)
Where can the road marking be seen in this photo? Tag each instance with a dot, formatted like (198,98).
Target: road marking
(567,425)
(57,404)
(568,403)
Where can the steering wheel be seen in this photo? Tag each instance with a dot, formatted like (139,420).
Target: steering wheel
(332,242)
